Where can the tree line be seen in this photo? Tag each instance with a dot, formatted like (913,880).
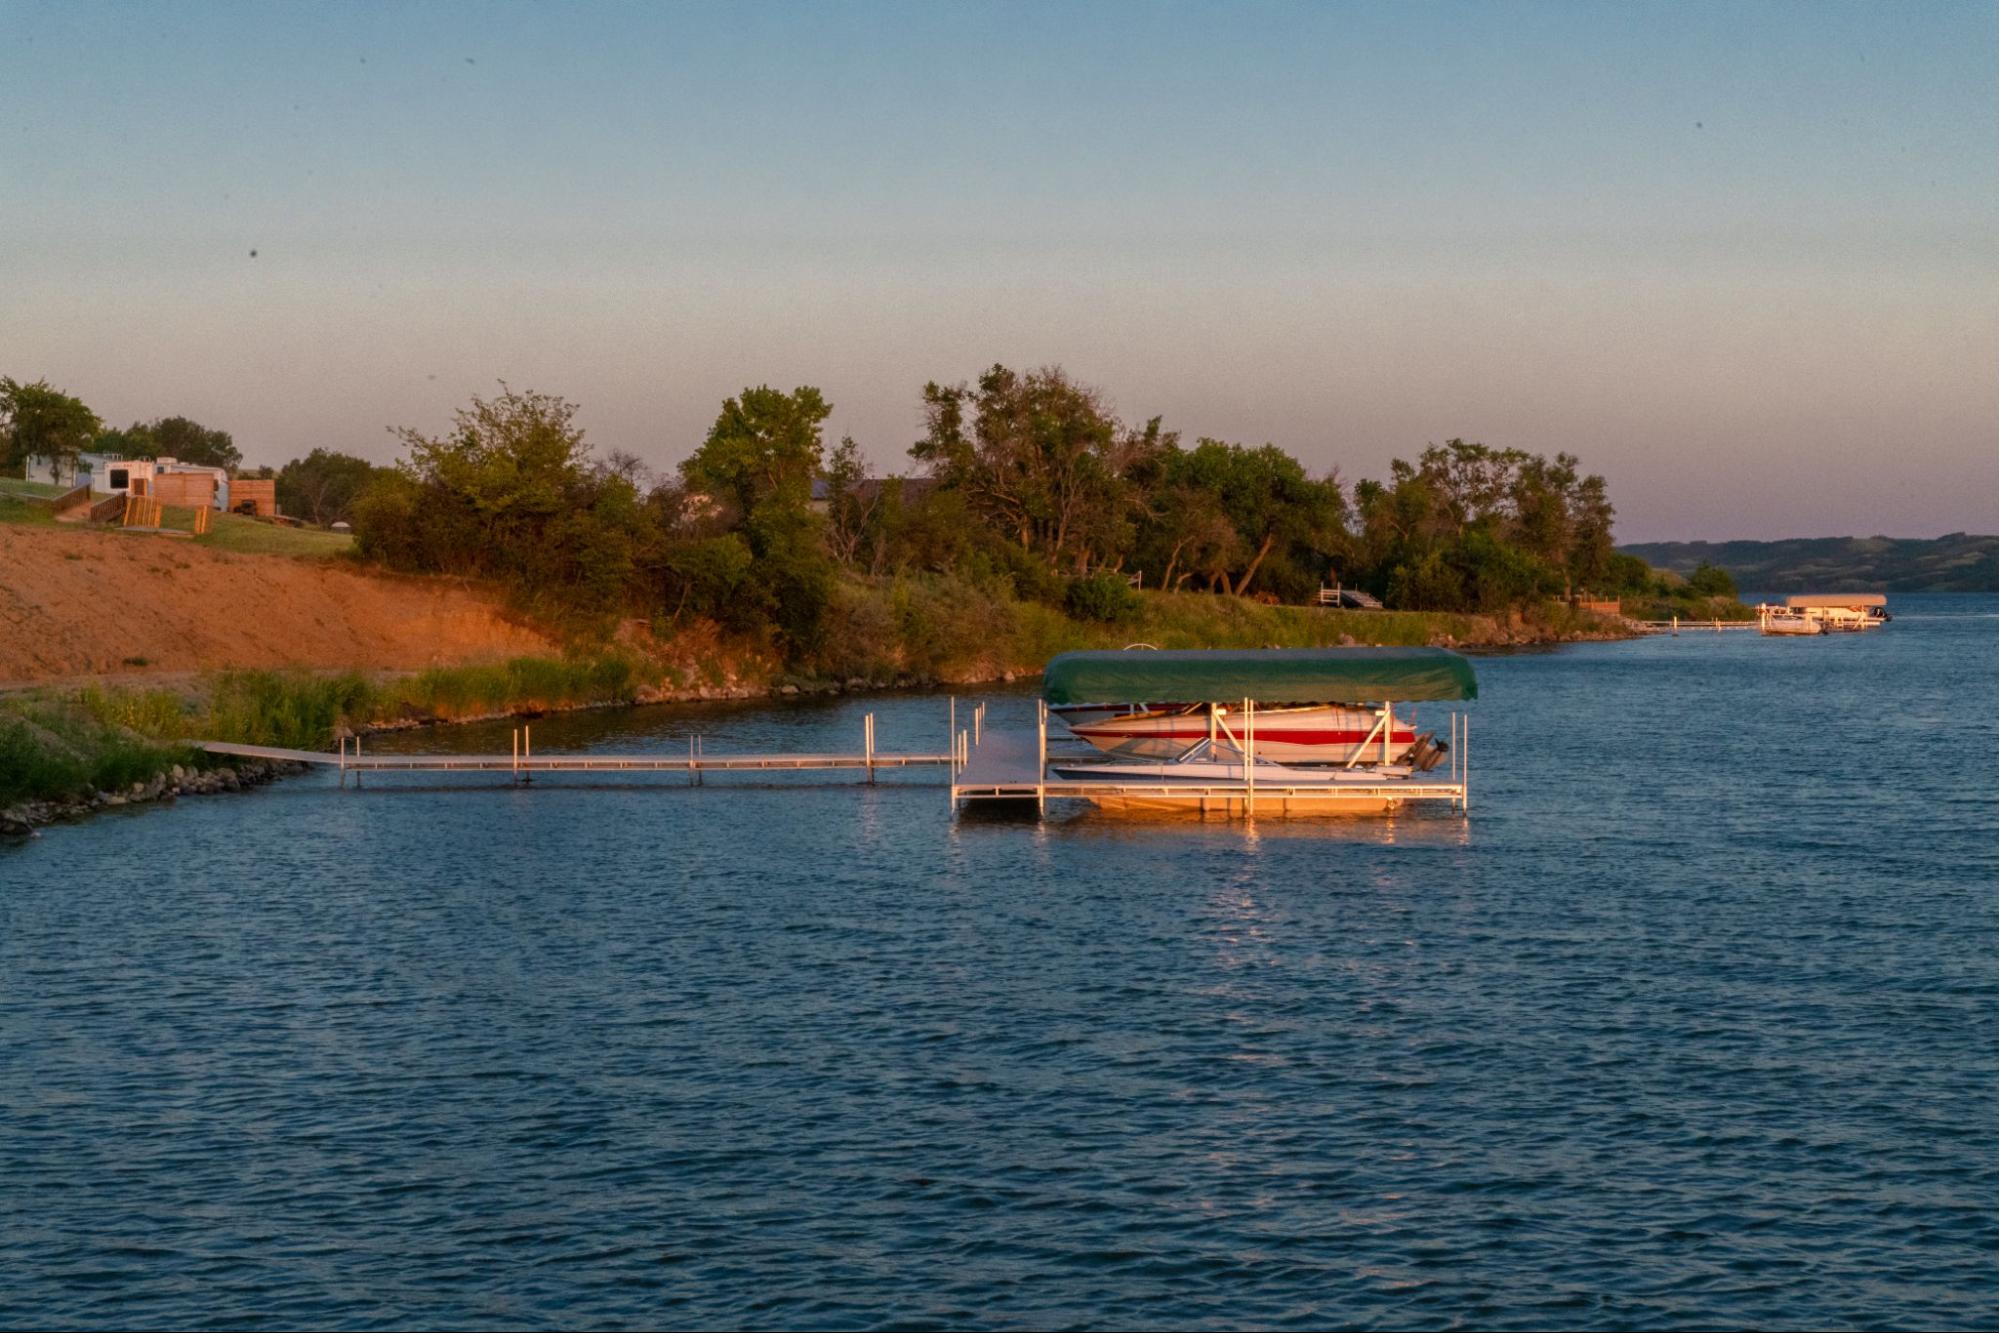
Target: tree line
(1023,481)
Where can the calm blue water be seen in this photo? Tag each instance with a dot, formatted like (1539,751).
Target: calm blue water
(1692,1022)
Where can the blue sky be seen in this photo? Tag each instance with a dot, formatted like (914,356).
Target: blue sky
(1743,259)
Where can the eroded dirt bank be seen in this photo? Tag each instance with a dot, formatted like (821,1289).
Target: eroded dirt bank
(82,603)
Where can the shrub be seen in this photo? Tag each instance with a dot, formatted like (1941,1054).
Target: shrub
(1102,597)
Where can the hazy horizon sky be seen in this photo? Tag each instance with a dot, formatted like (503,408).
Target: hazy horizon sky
(1742,259)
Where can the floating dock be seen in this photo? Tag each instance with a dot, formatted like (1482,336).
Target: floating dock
(1014,766)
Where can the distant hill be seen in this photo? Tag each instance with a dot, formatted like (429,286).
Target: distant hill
(1956,563)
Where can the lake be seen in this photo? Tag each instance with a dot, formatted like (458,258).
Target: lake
(1690,1022)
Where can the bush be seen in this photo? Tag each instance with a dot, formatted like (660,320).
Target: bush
(1711,581)
(1103,597)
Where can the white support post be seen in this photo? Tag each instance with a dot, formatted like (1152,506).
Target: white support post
(868,737)
(692,770)
(952,732)
(1387,730)
(1360,751)
(1249,757)
(1041,756)
(1464,775)
(516,770)
(343,763)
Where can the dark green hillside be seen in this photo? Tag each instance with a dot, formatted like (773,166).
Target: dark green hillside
(1958,562)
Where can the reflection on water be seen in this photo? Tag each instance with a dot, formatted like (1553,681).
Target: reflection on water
(1688,1023)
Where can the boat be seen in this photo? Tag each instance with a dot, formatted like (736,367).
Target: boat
(1788,623)
(1305,734)
(1332,708)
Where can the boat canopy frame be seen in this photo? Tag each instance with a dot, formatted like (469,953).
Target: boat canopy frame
(1267,675)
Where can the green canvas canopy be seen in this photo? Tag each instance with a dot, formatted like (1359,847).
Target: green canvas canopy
(1269,676)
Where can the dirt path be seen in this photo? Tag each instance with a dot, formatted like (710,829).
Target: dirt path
(77,603)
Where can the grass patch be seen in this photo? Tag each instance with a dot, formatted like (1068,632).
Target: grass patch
(247,536)
(37,489)
(16,510)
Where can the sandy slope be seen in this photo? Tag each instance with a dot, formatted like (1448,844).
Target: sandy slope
(86,602)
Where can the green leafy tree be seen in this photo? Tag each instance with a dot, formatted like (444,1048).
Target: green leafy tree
(756,468)
(1035,454)
(1710,581)
(189,441)
(38,421)
(324,485)
(510,493)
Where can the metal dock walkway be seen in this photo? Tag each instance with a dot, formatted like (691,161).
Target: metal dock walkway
(522,763)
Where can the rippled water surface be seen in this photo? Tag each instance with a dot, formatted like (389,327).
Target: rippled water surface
(1691,1022)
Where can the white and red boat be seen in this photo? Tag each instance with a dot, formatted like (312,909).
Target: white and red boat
(1306,734)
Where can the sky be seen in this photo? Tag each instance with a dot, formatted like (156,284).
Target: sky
(1742,259)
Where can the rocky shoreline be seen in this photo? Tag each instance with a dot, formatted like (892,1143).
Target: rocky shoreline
(23,819)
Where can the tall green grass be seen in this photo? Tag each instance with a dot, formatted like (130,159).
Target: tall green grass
(106,739)
(55,749)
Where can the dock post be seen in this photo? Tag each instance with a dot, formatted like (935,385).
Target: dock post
(868,739)
(952,724)
(357,762)
(1040,756)
(690,759)
(1464,775)
(1676,626)
(700,750)
(1249,757)
(517,756)
(343,763)
(527,753)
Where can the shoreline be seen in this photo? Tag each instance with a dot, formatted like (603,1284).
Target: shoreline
(189,776)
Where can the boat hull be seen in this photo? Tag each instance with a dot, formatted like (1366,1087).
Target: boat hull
(1324,735)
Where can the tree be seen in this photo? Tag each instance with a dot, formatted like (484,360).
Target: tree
(848,509)
(1040,460)
(762,452)
(756,467)
(509,492)
(38,421)
(191,442)
(323,485)
(1710,581)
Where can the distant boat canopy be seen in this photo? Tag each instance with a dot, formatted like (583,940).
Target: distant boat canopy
(1269,676)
